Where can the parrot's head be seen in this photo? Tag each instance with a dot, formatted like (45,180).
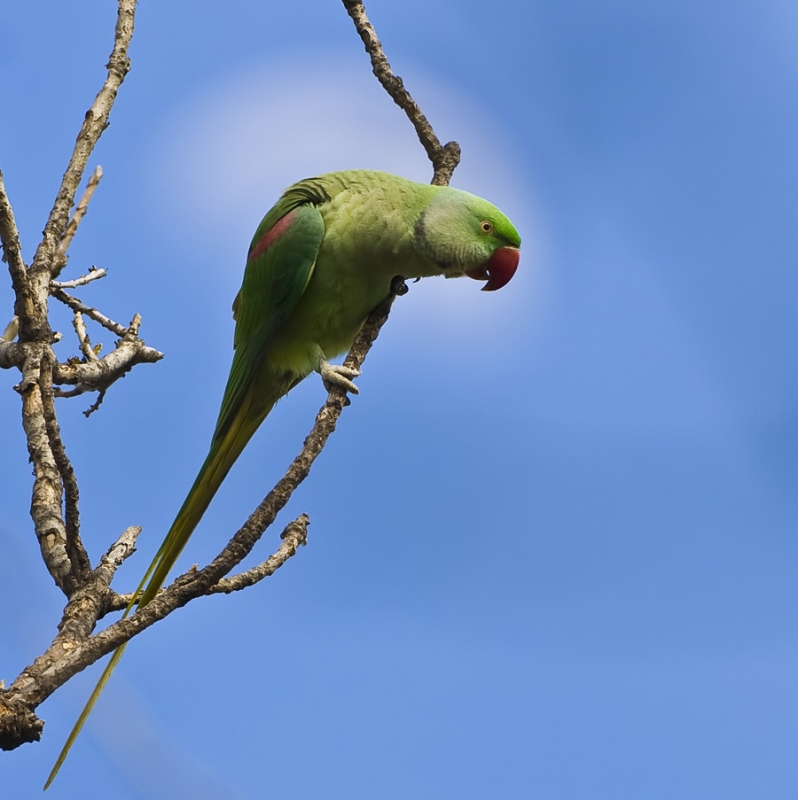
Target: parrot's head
(466,235)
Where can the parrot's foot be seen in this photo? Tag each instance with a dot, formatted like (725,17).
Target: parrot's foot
(336,375)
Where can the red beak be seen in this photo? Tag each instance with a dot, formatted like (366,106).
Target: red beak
(498,269)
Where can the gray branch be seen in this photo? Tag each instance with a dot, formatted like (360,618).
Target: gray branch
(294,536)
(97,374)
(48,256)
(60,259)
(444,158)
(54,505)
(12,254)
(92,275)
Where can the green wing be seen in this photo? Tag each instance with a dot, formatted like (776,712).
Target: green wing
(279,265)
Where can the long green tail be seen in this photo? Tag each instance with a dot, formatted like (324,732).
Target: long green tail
(224,451)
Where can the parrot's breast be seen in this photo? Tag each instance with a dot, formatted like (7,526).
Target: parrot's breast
(368,241)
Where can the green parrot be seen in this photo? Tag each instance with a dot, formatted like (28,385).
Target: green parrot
(321,260)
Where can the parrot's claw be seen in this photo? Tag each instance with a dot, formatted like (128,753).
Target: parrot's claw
(336,375)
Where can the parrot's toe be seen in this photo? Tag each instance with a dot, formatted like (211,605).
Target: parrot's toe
(340,376)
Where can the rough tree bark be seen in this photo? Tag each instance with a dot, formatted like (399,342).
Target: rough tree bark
(28,346)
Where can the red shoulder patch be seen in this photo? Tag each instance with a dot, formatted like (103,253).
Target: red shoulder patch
(271,236)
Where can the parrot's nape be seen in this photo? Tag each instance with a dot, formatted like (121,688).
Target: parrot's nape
(321,260)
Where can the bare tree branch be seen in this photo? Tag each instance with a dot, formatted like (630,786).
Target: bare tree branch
(45,264)
(57,538)
(294,535)
(121,549)
(12,254)
(60,259)
(96,404)
(47,487)
(77,622)
(92,313)
(54,479)
(83,337)
(78,557)
(99,373)
(92,275)
(444,158)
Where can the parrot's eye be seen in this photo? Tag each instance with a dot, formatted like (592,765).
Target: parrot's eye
(486,226)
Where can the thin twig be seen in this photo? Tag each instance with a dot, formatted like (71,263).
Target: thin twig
(83,337)
(94,123)
(96,404)
(294,536)
(444,158)
(91,313)
(92,275)
(12,254)
(121,549)
(60,258)
(76,392)
(135,324)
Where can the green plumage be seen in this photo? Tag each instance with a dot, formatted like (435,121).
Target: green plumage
(320,261)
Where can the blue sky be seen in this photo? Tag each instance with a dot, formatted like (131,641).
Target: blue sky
(552,549)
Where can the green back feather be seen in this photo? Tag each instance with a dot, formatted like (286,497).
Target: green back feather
(273,283)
